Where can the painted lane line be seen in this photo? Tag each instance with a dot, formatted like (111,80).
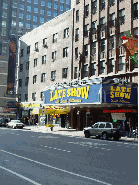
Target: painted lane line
(55,148)
(59,149)
(45,146)
(74,174)
(64,150)
(68,151)
(49,147)
(21,176)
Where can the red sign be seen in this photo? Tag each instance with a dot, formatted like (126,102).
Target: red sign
(121,111)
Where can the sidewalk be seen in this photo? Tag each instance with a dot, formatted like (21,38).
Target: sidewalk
(69,132)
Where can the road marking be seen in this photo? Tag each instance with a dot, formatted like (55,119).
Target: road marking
(49,147)
(45,146)
(55,148)
(21,176)
(92,179)
(59,149)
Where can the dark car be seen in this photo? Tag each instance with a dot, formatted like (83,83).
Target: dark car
(3,122)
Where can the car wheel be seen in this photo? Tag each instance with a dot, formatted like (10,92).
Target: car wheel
(116,138)
(87,134)
(104,136)
(97,137)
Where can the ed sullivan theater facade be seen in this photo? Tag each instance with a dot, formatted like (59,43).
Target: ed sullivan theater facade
(88,104)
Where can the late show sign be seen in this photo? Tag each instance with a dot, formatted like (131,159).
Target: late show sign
(119,94)
(81,94)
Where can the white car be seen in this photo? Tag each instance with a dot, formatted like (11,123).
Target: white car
(15,124)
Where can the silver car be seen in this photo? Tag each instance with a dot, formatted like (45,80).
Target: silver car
(104,130)
(15,124)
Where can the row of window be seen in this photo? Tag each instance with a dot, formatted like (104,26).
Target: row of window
(33,97)
(43,77)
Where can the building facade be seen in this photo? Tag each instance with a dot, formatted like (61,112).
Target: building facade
(100,31)
(18,17)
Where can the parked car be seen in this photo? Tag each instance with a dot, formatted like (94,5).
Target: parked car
(3,122)
(104,130)
(15,124)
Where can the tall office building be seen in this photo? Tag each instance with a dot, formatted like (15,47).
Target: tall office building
(18,17)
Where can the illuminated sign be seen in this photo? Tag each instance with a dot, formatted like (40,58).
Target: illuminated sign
(121,111)
(121,94)
(12,104)
(30,105)
(85,94)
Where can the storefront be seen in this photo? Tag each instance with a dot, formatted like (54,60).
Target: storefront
(87,103)
(30,112)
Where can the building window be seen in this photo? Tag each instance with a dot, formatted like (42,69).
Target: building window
(55,14)
(112,20)
(102,4)
(75,72)
(86,70)
(43,77)
(102,45)
(111,2)
(29,1)
(21,15)
(76,53)
(26,81)
(34,96)
(20,24)
(49,5)
(77,34)
(93,48)
(94,27)
(35,18)
(55,6)
(121,63)
(34,79)
(34,26)
(136,32)
(66,33)
(94,7)
(93,69)
(49,13)
(111,42)
(27,25)
(35,1)
(64,72)
(21,6)
(27,65)
(86,50)
(68,2)
(42,3)
(77,1)
(77,15)
(122,16)
(86,10)
(61,8)
(14,23)
(55,37)
(28,49)
(14,13)
(20,82)
(44,59)
(111,65)
(29,8)
(41,96)
(54,55)
(21,67)
(45,42)
(35,10)
(53,75)
(101,67)
(135,10)
(36,46)
(65,52)
(42,11)
(86,30)
(28,17)
(41,20)
(102,23)
(21,52)
(19,97)
(26,97)
(35,62)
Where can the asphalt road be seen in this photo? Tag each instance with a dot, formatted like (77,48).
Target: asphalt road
(51,159)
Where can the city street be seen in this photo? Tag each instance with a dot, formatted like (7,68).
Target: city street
(52,159)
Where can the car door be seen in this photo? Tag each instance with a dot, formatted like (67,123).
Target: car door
(101,128)
(94,130)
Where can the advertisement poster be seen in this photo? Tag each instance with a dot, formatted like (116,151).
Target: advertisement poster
(11,67)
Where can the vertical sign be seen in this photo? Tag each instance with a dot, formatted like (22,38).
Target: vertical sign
(11,67)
